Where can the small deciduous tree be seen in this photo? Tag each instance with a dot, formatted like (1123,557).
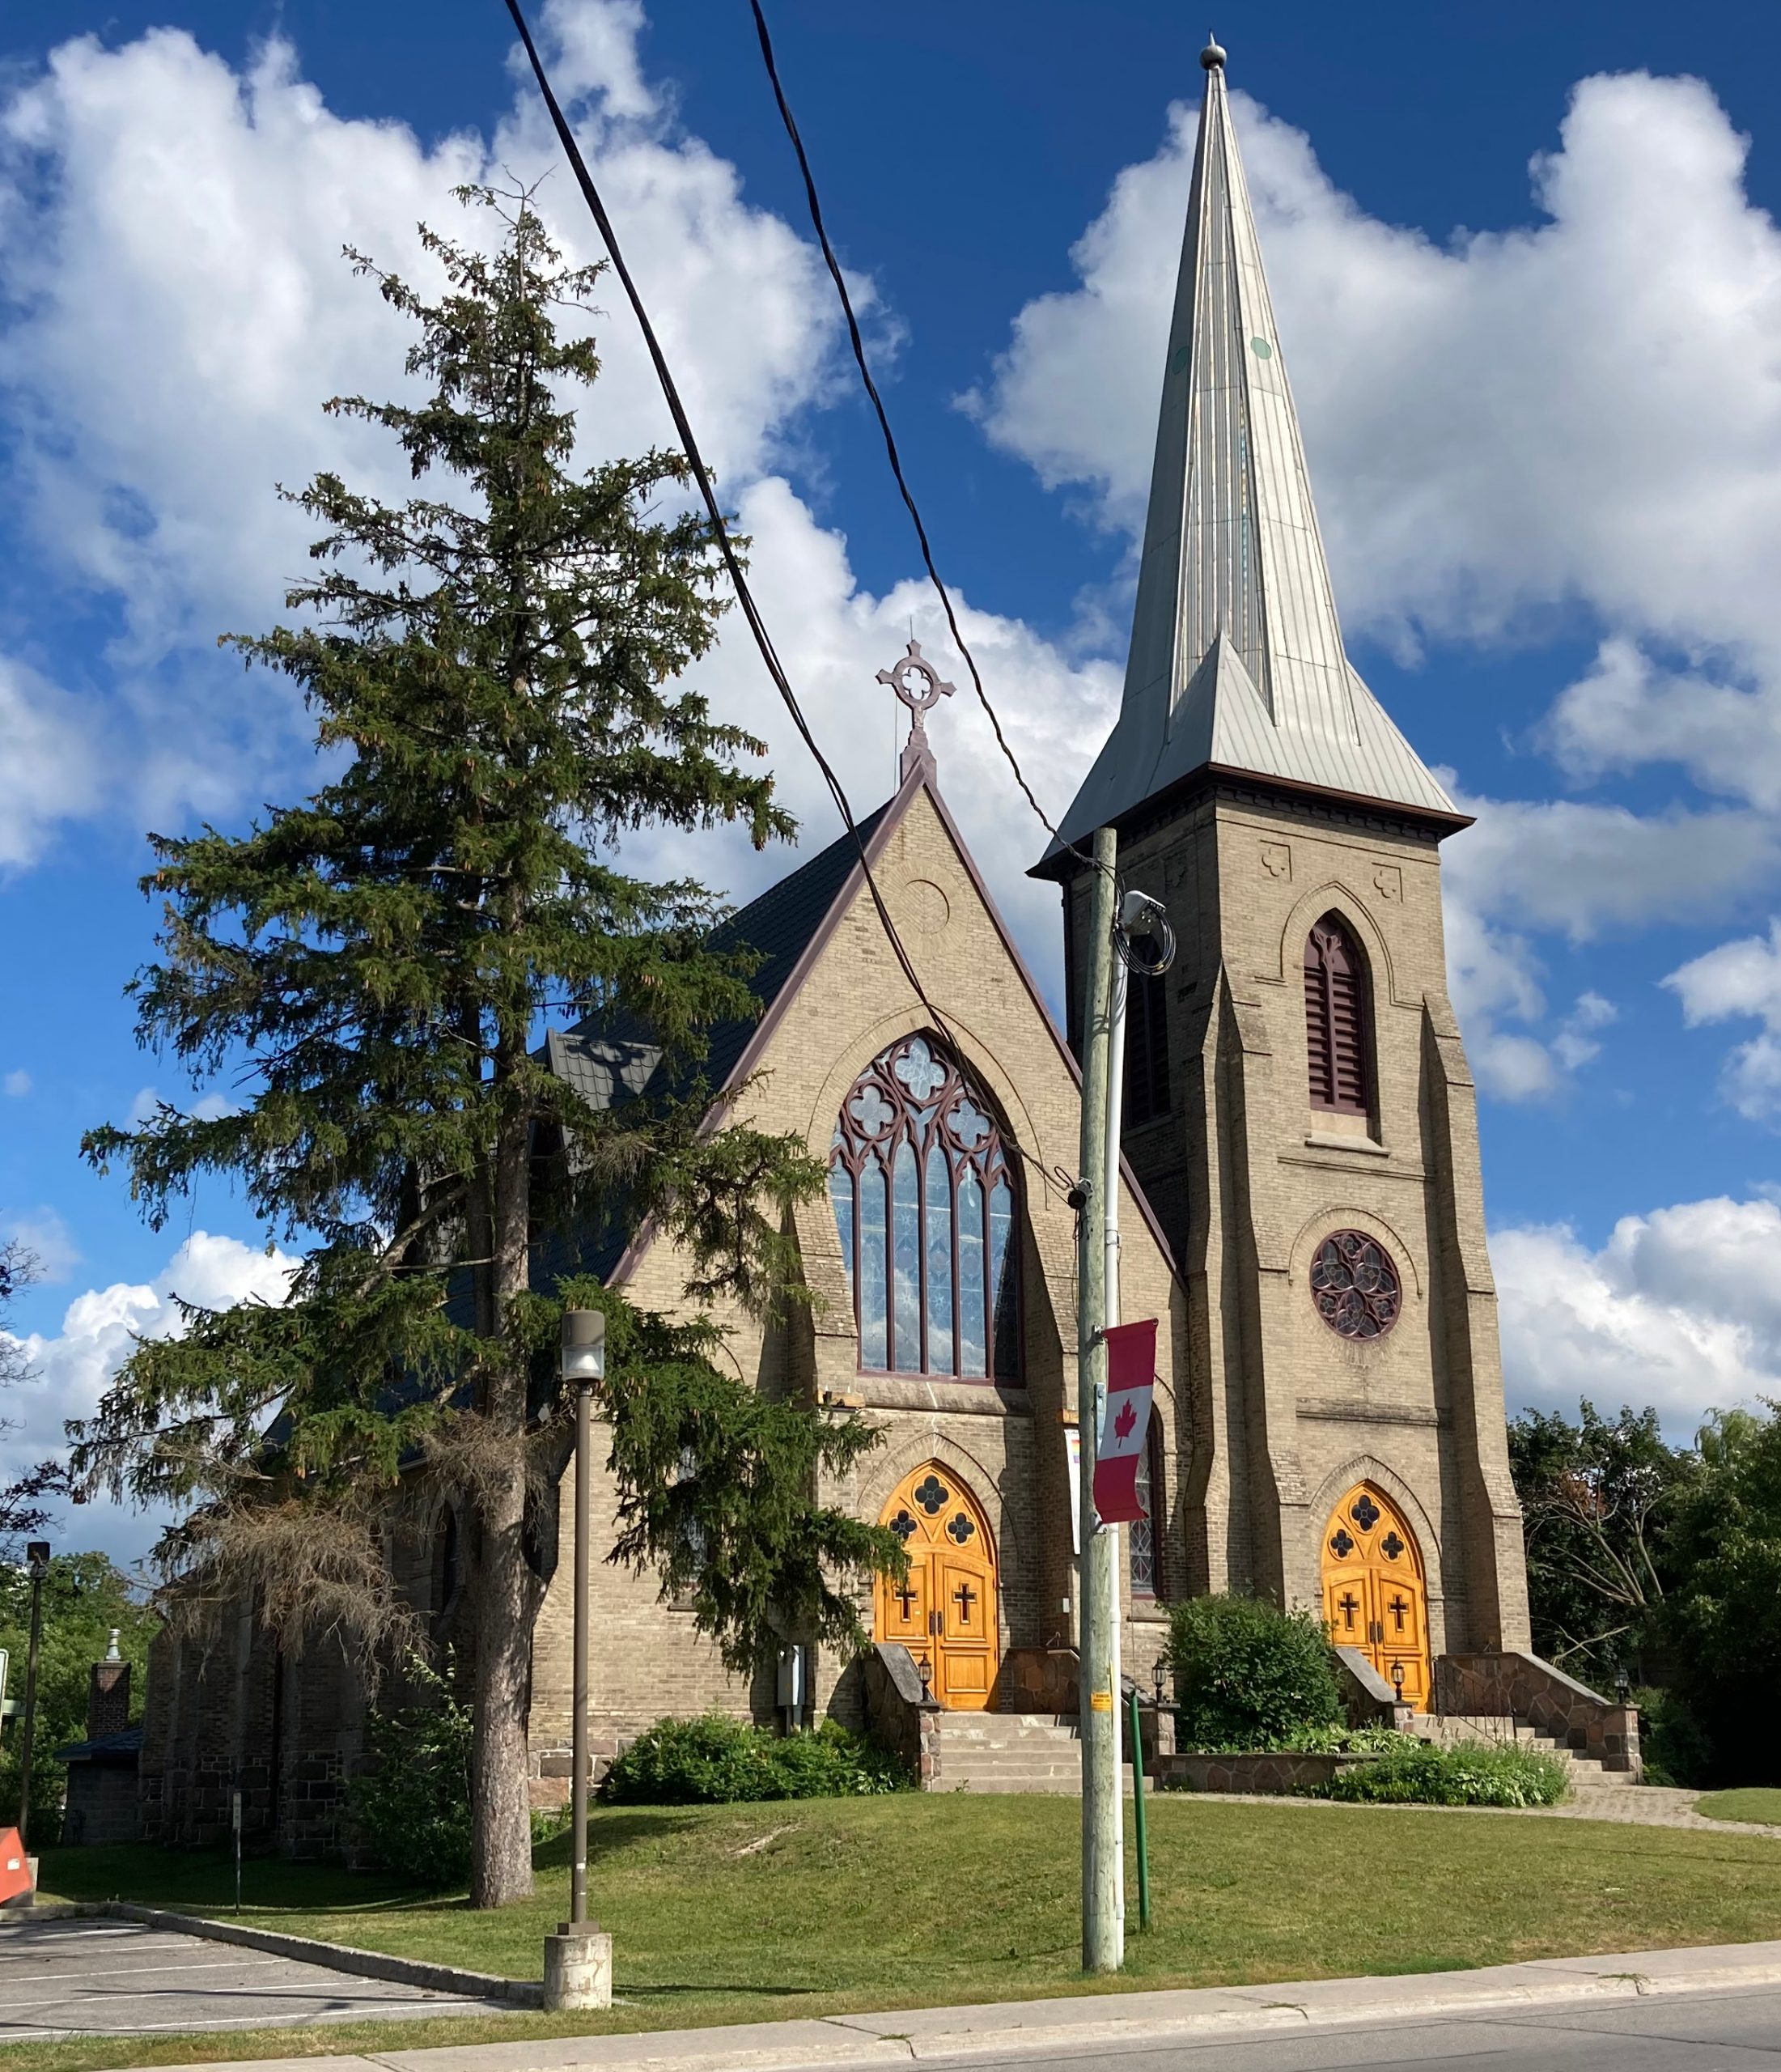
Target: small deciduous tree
(1594,1497)
(494,668)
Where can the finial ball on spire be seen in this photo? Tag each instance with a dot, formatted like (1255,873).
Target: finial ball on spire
(1212,57)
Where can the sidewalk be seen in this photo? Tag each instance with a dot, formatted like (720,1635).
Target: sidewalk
(1035,2027)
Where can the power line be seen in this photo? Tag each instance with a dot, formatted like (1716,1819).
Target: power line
(858,345)
(721,532)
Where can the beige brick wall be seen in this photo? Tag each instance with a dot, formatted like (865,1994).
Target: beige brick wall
(1007,1444)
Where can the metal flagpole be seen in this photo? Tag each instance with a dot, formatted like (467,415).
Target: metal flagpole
(1101,1938)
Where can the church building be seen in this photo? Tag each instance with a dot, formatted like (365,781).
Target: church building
(1303,1210)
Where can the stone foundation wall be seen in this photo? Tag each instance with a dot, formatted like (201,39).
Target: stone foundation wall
(1518,1684)
(1260,1773)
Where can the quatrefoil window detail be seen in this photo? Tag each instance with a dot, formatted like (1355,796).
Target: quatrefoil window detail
(903,1525)
(932,1495)
(1364,1512)
(969,1126)
(959,1529)
(1342,1543)
(1391,1547)
(871,1111)
(919,1070)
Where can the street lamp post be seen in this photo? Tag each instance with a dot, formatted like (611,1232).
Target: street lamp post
(578,1958)
(37,1564)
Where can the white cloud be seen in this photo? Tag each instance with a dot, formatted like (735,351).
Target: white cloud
(149,1102)
(170,253)
(1584,870)
(51,768)
(1588,409)
(72,1370)
(1680,1308)
(17,1084)
(1734,981)
(46,1237)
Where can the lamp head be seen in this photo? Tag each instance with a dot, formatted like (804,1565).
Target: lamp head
(1397,1680)
(37,1557)
(1158,1675)
(583,1358)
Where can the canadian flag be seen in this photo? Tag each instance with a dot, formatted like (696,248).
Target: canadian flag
(1131,1373)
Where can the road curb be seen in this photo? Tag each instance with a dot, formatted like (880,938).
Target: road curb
(1011,2029)
(332,1956)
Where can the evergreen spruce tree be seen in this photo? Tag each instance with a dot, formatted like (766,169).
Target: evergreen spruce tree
(494,667)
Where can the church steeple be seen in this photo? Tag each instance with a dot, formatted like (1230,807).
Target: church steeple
(1236,660)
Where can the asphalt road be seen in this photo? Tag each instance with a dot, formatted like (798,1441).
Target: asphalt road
(94,1977)
(1725,2031)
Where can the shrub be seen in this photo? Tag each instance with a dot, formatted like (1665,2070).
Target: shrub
(716,1760)
(1248,1675)
(1414,1773)
(1675,1746)
(414,1809)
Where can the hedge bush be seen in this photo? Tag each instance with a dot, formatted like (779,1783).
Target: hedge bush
(716,1760)
(1249,1677)
(1414,1773)
(414,1809)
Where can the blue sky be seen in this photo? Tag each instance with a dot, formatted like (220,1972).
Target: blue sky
(1530,295)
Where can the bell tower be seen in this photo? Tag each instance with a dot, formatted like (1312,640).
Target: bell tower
(1299,1108)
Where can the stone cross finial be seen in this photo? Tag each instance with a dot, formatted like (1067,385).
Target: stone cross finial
(919,685)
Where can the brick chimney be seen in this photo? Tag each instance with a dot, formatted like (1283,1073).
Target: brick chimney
(108,1695)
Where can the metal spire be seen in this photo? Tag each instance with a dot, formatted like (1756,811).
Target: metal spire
(1236,657)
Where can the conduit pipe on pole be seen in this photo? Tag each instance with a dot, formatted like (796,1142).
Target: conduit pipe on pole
(1098,1703)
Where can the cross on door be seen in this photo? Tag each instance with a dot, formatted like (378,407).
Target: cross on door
(1397,1607)
(905,1595)
(1348,1604)
(964,1597)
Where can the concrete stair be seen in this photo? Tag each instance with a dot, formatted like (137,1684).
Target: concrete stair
(1459,1730)
(1010,1752)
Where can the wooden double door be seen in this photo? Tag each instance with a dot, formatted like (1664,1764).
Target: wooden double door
(1375,1598)
(946,1613)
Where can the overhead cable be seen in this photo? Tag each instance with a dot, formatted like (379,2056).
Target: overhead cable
(858,345)
(721,532)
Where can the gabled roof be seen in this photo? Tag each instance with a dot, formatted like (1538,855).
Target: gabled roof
(604,1065)
(1237,661)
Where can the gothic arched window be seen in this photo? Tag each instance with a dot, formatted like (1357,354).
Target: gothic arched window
(924,1202)
(1336,1018)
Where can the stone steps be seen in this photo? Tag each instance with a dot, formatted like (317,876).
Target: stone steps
(1012,1752)
(1455,1729)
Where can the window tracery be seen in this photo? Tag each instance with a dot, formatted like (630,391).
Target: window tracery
(924,1200)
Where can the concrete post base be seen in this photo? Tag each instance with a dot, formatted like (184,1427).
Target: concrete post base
(577,1969)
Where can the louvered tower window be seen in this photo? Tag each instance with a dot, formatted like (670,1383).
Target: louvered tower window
(1336,1018)
(1145,1095)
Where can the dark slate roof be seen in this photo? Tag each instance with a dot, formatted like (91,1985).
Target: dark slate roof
(124,1746)
(606,1062)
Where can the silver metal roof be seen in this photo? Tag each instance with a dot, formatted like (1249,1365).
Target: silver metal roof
(1236,658)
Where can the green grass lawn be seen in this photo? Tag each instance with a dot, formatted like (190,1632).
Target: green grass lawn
(750,1912)
(1755,1802)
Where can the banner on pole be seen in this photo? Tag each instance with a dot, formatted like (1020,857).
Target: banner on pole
(1131,1375)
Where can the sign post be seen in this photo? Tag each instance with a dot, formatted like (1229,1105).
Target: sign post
(234,1822)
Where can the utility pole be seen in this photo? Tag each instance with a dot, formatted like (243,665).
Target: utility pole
(37,1564)
(1101,1950)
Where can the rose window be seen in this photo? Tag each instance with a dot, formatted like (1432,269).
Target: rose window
(1354,1285)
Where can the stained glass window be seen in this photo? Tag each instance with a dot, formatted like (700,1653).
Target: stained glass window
(1140,1541)
(922,1190)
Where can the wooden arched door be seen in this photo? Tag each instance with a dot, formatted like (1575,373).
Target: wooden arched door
(1374,1595)
(946,1611)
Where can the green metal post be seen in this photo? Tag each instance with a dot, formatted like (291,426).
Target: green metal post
(1140,1833)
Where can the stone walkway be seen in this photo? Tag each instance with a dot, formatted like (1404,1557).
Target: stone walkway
(1639,1805)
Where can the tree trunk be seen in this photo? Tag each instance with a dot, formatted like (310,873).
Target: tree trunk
(500,1788)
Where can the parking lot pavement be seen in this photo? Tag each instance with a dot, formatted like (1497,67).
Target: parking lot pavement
(94,1977)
